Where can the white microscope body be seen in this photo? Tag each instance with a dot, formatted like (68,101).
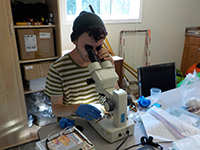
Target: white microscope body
(118,126)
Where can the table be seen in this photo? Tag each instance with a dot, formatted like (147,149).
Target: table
(169,98)
(93,136)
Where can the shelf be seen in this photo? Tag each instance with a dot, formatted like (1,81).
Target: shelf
(29,92)
(37,60)
(20,134)
(192,31)
(196,34)
(34,26)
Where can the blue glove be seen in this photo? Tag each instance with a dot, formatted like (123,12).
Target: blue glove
(88,112)
(65,122)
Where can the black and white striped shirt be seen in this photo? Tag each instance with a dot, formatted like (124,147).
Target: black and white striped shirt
(66,78)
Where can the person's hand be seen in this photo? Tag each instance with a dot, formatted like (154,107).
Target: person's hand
(88,112)
(103,54)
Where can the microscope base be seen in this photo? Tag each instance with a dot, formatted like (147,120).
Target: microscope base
(111,133)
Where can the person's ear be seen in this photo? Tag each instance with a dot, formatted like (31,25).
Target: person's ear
(75,42)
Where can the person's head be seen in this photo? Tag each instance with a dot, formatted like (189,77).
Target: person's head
(89,23)
(88,29)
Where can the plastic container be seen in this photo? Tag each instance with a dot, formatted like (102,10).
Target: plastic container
(155,94)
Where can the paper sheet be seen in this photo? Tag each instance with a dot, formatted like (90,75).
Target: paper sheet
(156,129)
(165,127)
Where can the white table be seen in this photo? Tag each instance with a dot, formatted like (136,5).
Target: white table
(169,98)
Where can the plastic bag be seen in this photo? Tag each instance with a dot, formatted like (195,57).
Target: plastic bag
(185,115)
(39,105)
(190,78)
(191,98)
(31,119)
(177,126)
(189,143)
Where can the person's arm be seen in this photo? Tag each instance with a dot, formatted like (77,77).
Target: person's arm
(61,110)
(86,111)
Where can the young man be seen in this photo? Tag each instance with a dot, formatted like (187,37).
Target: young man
(66,81)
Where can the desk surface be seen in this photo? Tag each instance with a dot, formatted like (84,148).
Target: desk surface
(94,137)
(169,98)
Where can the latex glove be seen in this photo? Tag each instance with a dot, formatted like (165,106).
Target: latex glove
(65,122)
(88,112)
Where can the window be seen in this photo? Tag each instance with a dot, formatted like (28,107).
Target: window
(111,11)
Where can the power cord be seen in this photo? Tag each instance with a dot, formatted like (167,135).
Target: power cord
(148,141)
(123,141)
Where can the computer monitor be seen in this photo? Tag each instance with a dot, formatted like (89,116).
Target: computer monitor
(161,76)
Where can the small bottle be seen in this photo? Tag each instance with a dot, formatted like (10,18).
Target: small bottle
(51,19)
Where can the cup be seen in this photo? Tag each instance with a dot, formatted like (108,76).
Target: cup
(155,94)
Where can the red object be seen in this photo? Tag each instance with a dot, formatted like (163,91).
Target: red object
(194,67)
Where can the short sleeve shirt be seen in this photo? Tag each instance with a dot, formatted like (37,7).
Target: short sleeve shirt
(66,78)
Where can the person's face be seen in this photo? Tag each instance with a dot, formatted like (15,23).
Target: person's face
(83,40)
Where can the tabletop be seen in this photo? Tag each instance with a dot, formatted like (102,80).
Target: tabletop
(171,98)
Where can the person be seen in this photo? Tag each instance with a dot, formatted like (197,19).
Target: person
(66,80)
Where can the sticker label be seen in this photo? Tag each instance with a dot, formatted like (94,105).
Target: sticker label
(107,133)
(28,67)
(30,43)
(123,118)
(44,35)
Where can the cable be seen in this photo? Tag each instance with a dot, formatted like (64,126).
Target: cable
(132,146)
(123,142)
(148,141)
(77,132)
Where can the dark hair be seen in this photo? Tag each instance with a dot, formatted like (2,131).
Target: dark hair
(97,33)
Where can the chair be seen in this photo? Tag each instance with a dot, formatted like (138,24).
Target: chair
(161,76)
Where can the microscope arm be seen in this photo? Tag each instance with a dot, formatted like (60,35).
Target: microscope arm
(105,79)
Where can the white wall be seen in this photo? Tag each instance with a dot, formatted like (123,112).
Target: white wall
(167,20)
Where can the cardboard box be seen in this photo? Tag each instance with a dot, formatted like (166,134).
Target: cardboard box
(36,70)
(35,43)
(35,85)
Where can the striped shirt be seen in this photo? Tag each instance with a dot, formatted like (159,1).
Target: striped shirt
(66,78)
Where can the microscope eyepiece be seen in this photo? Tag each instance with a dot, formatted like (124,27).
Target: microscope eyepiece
(92,56)
(98,48)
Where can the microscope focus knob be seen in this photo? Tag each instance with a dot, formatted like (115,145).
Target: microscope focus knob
(109,105)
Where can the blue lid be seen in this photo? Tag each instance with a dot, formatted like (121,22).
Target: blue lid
(142,101)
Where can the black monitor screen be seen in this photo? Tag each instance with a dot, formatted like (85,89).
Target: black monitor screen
(161,76)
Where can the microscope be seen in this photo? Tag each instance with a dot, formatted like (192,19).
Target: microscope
(104,77)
